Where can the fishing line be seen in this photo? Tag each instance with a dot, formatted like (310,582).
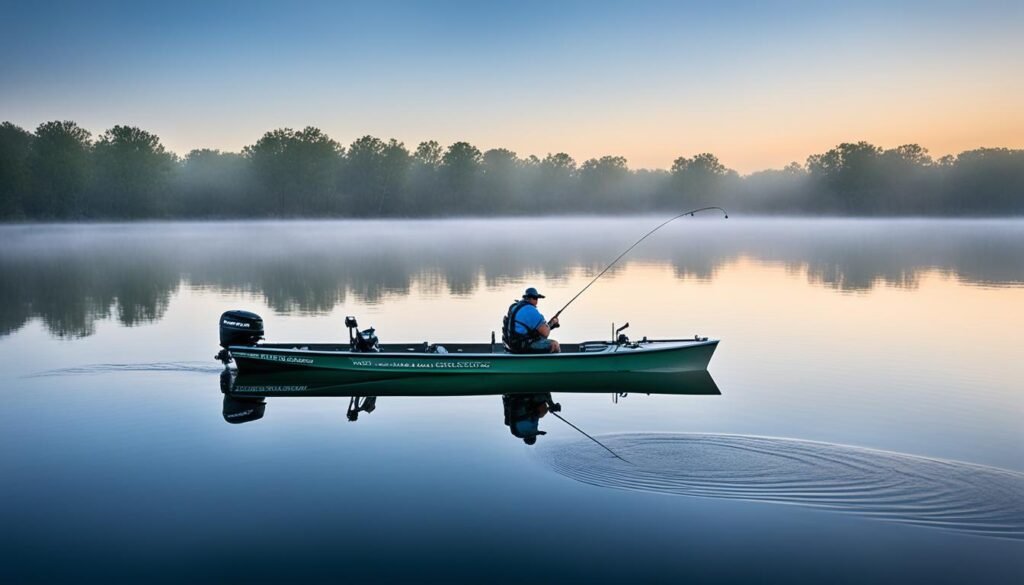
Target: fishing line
(635,244)
(588,436)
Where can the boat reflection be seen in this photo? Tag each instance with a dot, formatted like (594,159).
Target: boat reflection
(330,384)
(523,404)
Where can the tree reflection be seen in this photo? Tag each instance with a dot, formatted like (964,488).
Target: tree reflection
(69,278)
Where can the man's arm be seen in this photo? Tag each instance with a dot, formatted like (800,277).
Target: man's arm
(544,329)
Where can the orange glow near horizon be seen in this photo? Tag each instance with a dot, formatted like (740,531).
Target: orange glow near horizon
(758,85)
(749,138)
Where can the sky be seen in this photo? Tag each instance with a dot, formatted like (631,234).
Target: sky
(759,84)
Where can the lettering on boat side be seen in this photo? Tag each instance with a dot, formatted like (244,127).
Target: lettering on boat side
(270,357)
(421,365)
(261,389)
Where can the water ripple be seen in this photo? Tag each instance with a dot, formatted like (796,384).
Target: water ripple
(193,367)
(896,487)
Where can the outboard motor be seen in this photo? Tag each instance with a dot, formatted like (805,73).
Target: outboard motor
(238,328)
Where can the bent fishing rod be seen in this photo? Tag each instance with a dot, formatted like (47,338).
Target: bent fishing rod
(635,244)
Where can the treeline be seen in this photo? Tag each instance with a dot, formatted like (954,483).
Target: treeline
(61,172)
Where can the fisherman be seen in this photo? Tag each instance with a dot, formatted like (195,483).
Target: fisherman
(524,411)
(525,330)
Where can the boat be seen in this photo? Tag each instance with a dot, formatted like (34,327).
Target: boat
(364,359)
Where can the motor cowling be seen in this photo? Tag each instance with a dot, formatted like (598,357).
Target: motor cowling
(240,328)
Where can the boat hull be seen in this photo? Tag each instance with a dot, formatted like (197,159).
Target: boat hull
(685,356)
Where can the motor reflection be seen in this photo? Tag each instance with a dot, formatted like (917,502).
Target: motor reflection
(243,409)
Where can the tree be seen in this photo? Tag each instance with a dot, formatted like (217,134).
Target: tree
(907,181)
(986,181)
(429,154)
(59,168)
(850,174)
(498,182)
(775,190)
(555,187)
(698,181)
(423,196)
(297,171)
(132,169)
(364,175)
(375,174)
(848,158)
(213,183)
(795,169)
(603,183)
(460,166)
(15,148)
(908,155)
(397,162)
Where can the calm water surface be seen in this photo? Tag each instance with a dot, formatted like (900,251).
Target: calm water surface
(868,427)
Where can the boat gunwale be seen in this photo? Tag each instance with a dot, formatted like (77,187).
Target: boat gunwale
(662,347)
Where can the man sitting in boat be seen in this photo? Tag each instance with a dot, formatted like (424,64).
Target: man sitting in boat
(525,330)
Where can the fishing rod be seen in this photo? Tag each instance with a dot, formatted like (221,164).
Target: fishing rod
(588,436)
(635,244)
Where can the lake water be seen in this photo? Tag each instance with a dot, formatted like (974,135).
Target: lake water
(868,427)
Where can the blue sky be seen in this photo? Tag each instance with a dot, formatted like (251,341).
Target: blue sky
(758,83)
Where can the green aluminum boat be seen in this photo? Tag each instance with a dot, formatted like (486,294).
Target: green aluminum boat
(408,360)
(363,359)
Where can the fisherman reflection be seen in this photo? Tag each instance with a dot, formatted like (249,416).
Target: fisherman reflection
(524,411)
(358,404)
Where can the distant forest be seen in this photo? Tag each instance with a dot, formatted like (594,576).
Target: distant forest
(60,172)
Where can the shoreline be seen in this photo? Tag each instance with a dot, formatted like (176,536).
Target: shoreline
(479,218)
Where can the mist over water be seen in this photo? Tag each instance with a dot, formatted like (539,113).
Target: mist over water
(69,277)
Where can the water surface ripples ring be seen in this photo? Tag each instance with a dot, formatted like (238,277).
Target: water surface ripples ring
(896,487)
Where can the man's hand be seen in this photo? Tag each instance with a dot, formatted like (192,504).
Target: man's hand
(553,323)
